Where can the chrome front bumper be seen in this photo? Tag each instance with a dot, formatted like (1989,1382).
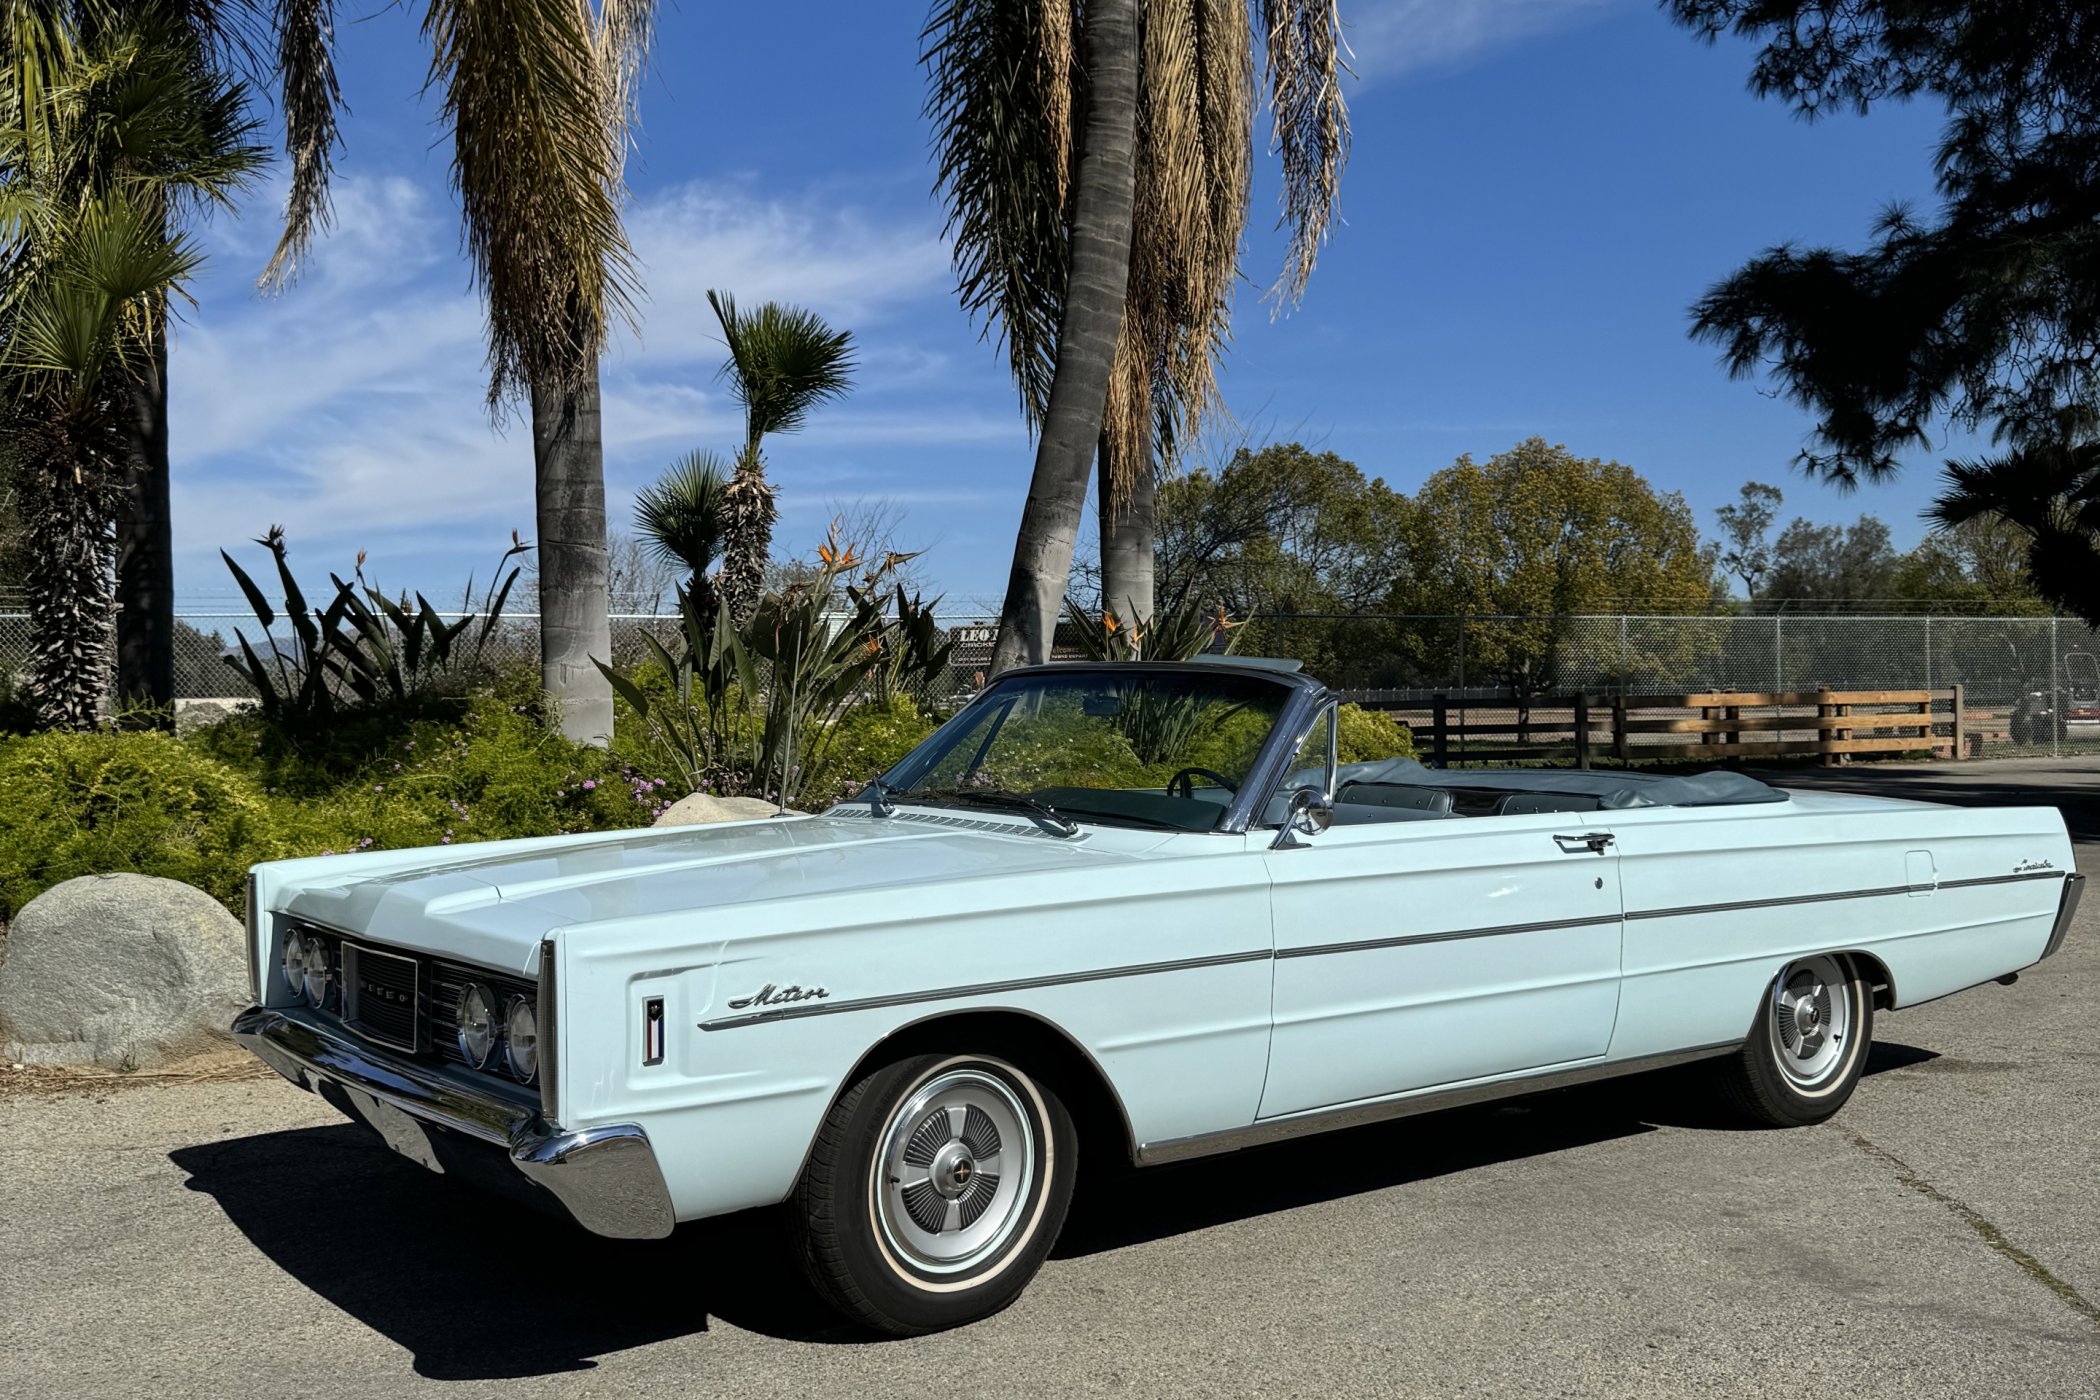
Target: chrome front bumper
(606,1179)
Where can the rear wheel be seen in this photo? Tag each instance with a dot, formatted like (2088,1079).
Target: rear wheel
(1805,1053)
(936,1188)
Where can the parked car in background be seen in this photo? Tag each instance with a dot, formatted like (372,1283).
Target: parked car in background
(1139,910)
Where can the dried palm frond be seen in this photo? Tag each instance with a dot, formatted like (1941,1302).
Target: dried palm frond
(310,96)
(1307,57)
(539,181)
(1004,88)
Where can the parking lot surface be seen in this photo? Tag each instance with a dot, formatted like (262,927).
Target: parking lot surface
(1941,1237)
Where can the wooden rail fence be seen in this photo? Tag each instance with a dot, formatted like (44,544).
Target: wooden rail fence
(1726,725)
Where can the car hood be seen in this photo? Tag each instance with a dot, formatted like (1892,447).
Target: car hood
(494,907)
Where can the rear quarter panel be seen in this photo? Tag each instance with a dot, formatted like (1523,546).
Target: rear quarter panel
(1718,899)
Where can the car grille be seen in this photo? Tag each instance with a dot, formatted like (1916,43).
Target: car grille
(381,995)
(406,1001)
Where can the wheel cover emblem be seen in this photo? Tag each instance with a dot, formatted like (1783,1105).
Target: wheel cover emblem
(955,1171)
(1811,1022)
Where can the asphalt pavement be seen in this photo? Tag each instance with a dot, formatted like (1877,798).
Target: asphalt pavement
(1941,1237)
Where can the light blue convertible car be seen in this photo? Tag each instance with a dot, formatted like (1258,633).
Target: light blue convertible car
(1137,908)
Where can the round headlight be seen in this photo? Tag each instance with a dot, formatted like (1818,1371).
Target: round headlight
(315,970)
(295,962)
(521,1040)
(476,1015)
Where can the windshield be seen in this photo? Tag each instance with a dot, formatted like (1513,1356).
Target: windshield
(1164,749)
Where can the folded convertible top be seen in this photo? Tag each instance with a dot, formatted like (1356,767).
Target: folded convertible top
(1611,789)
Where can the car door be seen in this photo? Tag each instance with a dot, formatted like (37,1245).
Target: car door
(1415,952)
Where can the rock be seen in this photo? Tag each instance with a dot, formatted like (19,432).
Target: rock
(700,808)
(193,715)
(121,971)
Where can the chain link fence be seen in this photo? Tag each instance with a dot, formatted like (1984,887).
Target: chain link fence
(2030,684)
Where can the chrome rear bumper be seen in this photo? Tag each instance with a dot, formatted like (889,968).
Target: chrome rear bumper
(606,1179)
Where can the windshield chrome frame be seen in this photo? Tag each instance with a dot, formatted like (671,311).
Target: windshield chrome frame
(1300,708)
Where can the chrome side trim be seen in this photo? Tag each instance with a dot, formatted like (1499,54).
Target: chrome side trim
(980,989)
(1362,1112)
(1321,950)
(606,1177)
(1780,901)
(2066,911)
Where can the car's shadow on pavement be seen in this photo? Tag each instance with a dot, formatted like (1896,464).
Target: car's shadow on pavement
(479,1288)
(476,1287)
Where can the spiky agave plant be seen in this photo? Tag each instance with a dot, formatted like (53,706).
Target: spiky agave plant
(783,362)
(106,133)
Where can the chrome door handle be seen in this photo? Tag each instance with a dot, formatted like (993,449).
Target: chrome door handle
(1591,841)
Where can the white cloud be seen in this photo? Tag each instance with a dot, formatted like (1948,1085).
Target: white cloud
(351,407)
(1393,37)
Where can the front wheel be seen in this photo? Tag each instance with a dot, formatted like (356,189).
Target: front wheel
(935,1190)
(1808,1046)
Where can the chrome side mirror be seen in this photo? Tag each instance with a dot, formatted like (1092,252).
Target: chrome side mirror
(1309,814)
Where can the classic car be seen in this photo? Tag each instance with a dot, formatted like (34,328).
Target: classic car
(1140,909)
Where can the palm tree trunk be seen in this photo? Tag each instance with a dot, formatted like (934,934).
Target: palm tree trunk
(1126,545)
(145,573)
(70,483)
(568,453)
(748,514)
(1103,185)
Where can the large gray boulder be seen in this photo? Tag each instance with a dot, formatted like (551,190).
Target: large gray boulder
(700,808)
(121,971)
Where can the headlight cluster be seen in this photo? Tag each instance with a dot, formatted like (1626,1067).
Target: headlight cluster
(485,1022)
(309,966)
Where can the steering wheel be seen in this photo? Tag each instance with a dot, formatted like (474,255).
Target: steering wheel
(1187,779)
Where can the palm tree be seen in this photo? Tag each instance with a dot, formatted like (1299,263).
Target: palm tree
(540,98)
(1097,208)
(2046,485)
(110,132)
(783,362)
(682,519)
(145,619)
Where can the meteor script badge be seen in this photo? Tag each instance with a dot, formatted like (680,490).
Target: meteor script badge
(770,995)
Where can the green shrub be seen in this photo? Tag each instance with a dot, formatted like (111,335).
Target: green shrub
(486,767)
(865,743)
(85,804)
(1364,736)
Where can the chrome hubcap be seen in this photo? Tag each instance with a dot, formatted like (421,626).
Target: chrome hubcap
(1811,1021)
(955,1172)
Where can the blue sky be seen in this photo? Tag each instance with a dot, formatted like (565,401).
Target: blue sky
(1539,189)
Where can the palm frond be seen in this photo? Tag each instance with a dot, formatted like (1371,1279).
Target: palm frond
(1004,85)
(310,96)
(783,362)
(1306,58)
(539,181)
(96,305)
(682,517)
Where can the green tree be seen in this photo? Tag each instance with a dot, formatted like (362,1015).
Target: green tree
(1746,525)
(783,362)
(1093,162)
(114,126)
(539,98)
(1537,534)
(1280,530)
(1977,567)
(1986,316)
(1825,568)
